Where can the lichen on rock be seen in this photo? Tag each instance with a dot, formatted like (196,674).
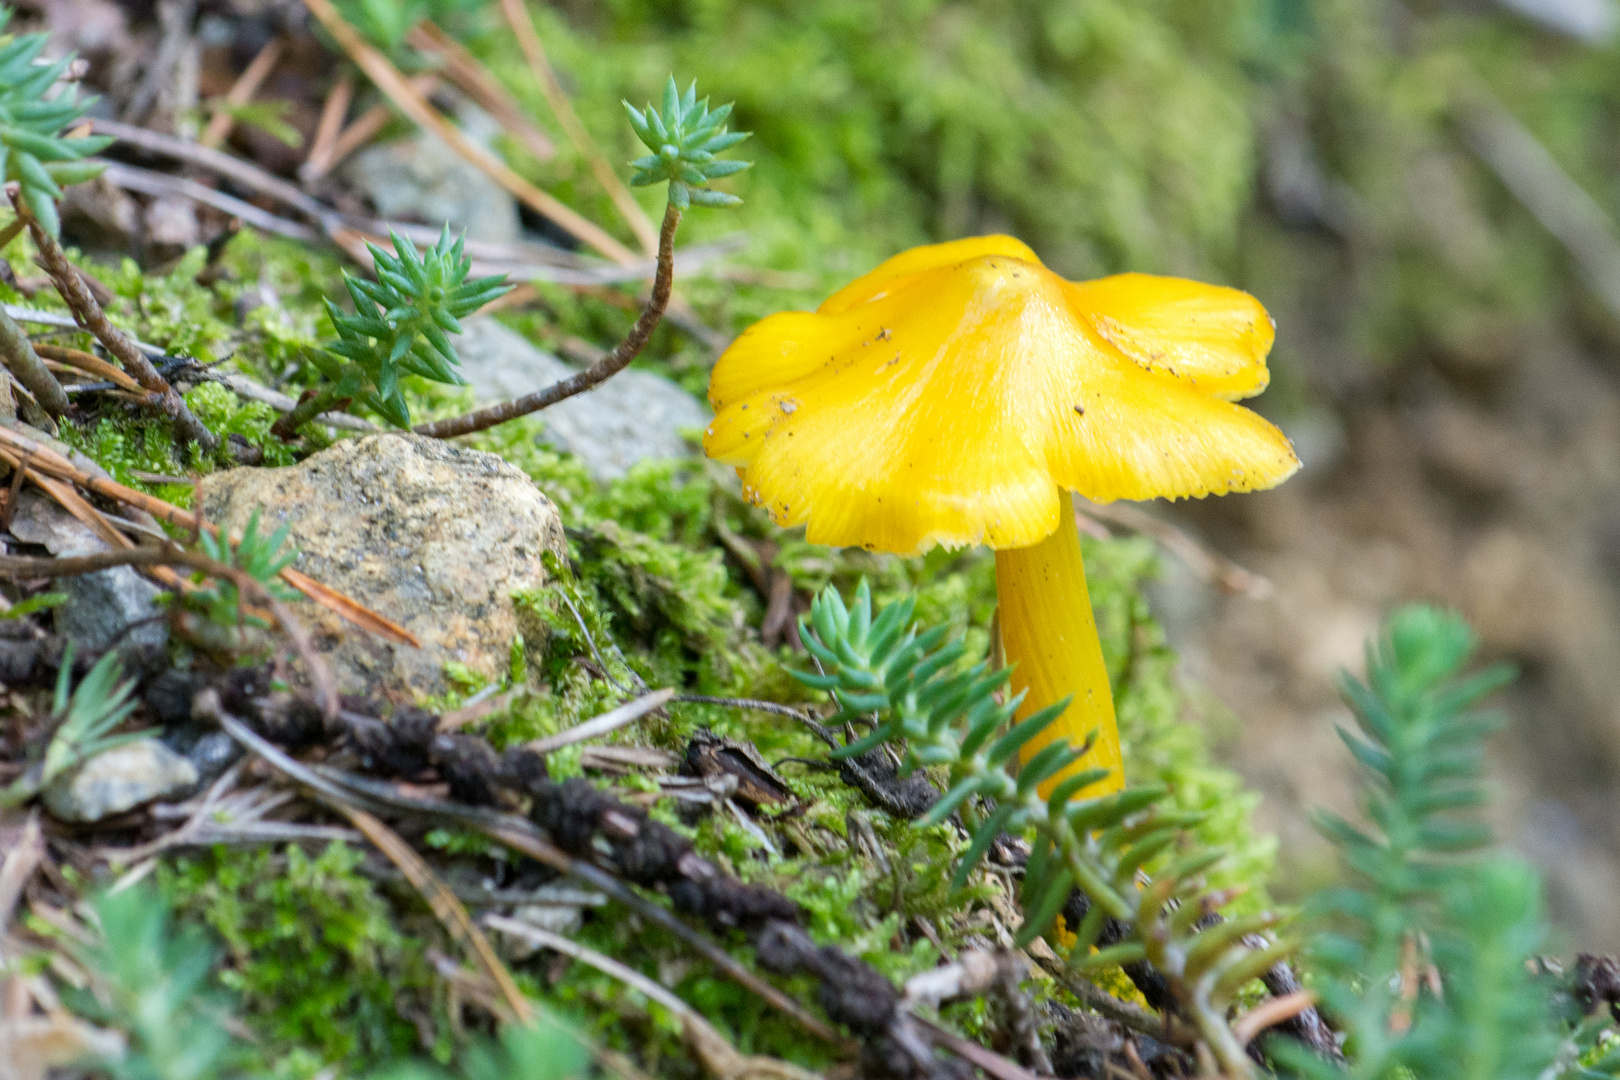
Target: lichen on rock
(432,536)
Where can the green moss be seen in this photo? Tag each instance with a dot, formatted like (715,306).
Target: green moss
(227,414)
(320,958)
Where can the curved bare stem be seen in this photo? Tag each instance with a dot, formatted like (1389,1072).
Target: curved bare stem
(599,372)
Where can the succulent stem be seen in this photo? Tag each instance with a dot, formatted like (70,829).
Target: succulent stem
(1050,641)
(605,368)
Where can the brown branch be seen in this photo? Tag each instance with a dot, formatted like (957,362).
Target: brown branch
(19,357)
(535,53)
(599,372)
(242,91)
(1270,1013)
(89,315)
(357,134)
(87,363)
(381,71)
(217,161)
(26,567)
(328,128)
(524,837)
(486,91)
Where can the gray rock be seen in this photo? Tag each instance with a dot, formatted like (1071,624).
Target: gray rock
(121,779)
(1589,20)
(102,605)
(212,754)
(421,178)
(432,536)
(633,416)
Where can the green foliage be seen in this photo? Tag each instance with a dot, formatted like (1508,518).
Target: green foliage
(269,117)
(320,959)
(37,603)
(218,598)
(1422,889)
(33,152)
(947,715)
(226,414)
(85,716)
(541,1051)
(157,992)
(683,141)
(668,599)
(87,713)
(401,325)
(1113,134)
(386,22)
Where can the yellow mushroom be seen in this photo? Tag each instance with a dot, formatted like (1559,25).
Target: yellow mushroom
(958,392)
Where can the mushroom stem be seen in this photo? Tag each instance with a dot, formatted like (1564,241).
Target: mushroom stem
(1049,638)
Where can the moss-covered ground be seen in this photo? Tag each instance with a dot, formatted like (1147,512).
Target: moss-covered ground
(334,962)
(1111,135)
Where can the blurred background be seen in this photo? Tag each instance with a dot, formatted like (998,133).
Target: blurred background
(1423,193)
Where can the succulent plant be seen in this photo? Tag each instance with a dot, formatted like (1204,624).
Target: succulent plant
(684,140)
(33,151)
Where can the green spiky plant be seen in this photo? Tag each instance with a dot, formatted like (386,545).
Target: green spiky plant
(401,326)
(261,556)
(85,716)
(543,1050)
(947,715)
(1425,894)
(153,983)
(684,140)
(33,151)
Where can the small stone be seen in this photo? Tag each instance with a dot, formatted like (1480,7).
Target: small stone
(103,607)
(420,178)
(435,537)
(212,754)
(634,416)
(1587,20)
(119,780)
(558,919)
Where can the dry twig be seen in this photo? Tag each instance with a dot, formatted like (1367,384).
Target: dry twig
(381,71)
(327,128)
(87,363)
(722,1059)
(1270,1013)
(362,131)
(474,80)
(563,109)
(19,865)
(610,721)
(443,902)
(149,182)
(241,92)
(21,359)
(89,315)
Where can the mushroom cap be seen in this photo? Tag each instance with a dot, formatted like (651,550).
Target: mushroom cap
(948,397)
